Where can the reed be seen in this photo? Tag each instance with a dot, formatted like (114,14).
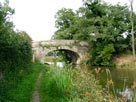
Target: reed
(57,82)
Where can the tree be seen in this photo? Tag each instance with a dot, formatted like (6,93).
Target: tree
(65,21)
(15,48)
(25,35)
(103,26)
(132,30)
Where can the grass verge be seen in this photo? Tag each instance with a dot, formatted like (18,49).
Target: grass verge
(21,90)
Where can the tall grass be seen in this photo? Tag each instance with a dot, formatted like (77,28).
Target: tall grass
(72,85)
(56,85)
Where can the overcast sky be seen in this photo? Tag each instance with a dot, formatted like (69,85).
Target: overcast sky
(36,17)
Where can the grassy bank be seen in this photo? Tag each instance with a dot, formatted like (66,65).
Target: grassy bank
(72,85)
(18,87)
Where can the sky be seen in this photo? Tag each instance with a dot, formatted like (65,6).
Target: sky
(36,17)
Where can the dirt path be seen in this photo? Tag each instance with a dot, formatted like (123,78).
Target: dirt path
(35,97)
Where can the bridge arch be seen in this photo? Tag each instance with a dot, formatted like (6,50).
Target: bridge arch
(71,56)
(42,48)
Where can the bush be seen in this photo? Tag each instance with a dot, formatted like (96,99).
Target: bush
(15,48)
(102,54)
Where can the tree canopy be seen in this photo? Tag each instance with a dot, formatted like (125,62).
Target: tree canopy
(106,27)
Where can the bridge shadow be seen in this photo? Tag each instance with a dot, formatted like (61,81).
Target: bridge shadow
(61,55)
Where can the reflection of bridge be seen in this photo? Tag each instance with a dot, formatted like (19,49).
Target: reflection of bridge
(78,50)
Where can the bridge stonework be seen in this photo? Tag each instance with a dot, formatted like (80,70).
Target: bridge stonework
(42,48)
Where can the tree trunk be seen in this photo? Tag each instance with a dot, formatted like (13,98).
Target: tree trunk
(132,30)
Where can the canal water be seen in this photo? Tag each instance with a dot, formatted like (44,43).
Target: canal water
(121,78)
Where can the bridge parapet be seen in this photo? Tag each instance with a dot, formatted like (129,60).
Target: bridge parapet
(60,42)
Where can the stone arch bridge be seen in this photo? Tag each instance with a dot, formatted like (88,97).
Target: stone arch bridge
(79,49)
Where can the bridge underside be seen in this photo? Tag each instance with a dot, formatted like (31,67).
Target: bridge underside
(64,55)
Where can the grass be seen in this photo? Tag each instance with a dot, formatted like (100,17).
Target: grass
(83,85)
(125,61)
(72,85)
(55,85)
(21,90)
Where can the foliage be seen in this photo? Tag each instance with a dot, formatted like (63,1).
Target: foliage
(65,19)
(56,83)
(71,85)
(25,36)
(101,25)
(86,88)
(104,55)
(15,48)
(15,54)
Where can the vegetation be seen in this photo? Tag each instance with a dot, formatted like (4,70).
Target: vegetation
(18,87)
(15,47)
(55,83)
(72,85)
(107,28)
(16,71)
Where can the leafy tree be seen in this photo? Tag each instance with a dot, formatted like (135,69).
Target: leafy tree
(25,35)
(15,47)
(65,21)
(104,26)
(15,53)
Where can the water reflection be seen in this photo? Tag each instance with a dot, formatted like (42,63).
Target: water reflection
(123,80)
(123,77)
(127,94)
